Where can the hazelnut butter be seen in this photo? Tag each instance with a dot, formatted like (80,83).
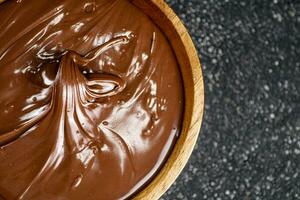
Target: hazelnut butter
(91,99)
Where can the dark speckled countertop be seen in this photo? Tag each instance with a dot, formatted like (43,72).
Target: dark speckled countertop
(249,146)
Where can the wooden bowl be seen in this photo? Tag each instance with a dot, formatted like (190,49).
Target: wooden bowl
(191,72)
(190,67)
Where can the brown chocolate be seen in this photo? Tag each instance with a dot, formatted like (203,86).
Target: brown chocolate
(91,99)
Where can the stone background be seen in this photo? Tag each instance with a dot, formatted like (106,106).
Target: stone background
(249,146)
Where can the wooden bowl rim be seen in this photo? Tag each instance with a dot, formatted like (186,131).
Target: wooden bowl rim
(191,122)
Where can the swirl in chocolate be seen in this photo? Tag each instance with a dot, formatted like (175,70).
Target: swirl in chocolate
(91,99)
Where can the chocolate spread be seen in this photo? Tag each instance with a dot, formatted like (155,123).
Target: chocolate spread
(91,99)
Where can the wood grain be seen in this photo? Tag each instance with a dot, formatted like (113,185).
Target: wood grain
(190,68)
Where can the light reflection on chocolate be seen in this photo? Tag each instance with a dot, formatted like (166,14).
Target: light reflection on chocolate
(91,99)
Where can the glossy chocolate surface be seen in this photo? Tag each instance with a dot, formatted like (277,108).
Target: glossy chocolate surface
(91,99)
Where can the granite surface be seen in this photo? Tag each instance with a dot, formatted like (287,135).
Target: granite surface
(249,146)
